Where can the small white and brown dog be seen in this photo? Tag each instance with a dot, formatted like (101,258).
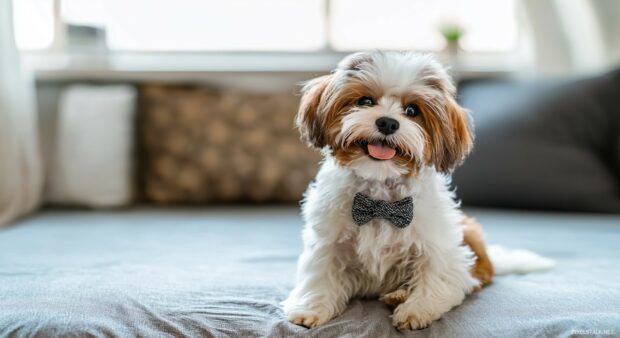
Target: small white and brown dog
(391,132)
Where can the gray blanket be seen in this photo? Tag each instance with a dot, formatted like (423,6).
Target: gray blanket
(223,272)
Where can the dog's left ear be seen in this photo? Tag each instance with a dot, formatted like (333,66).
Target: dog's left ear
(455,140)
(309,119)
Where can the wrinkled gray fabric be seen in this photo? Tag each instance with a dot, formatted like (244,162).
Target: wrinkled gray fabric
(223,272)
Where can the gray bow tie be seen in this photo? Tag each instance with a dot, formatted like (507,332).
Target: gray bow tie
(400,213)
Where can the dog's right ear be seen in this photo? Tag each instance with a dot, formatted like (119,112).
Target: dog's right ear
(309,119)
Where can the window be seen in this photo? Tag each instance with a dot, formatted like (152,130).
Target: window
(273,25)
(363,24)
(415,24)
(34,23)
(195,25)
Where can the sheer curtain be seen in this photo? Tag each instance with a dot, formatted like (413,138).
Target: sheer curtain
(20,159)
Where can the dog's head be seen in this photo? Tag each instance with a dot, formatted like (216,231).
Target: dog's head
(385,115)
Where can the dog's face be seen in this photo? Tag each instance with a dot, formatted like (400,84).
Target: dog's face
(386,115)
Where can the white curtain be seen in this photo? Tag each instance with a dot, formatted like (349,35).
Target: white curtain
(20,159)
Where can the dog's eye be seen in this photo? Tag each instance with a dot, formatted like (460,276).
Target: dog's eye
(412,110)
(366,101)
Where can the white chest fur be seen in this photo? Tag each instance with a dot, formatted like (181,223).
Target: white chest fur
(377,249)
(425,260)
(380,246)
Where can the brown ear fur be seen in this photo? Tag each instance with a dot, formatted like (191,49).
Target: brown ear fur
(455,141)
(308,120)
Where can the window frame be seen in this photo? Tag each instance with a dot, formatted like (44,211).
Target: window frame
(57,61)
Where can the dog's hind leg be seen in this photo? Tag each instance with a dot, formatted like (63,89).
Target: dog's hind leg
(474,238)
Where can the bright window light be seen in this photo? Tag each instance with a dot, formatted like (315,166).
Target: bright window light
(275,25)
(34,23)
(199,25)
(490,26)
(390,24)
(84,12)
(415,24)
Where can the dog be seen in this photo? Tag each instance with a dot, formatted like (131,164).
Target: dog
(380,218)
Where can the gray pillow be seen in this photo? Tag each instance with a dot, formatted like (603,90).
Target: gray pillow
(551,145)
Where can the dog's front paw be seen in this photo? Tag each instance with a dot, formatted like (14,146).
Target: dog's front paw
(305,315)
(409,317)
(307,319)
(413,321)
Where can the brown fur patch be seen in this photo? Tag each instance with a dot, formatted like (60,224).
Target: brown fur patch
(337,103)
(449,134)
(395,298)
(308,122)
(474,238)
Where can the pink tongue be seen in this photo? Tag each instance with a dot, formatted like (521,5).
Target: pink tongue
(381,152)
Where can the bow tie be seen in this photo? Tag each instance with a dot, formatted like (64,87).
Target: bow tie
(400,213)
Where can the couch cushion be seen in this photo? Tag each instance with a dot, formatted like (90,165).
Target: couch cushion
(544,145)
(222,273)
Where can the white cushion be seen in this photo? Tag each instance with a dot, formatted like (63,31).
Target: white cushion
(92,160)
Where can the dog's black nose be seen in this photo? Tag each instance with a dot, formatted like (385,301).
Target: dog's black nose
(387,125)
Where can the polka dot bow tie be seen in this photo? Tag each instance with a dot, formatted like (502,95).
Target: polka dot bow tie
(400,213)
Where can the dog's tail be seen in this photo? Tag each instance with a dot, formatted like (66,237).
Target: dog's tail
(517,261)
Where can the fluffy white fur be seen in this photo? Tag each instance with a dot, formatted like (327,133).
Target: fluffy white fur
(341,259)
(507,261)
(425,262)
